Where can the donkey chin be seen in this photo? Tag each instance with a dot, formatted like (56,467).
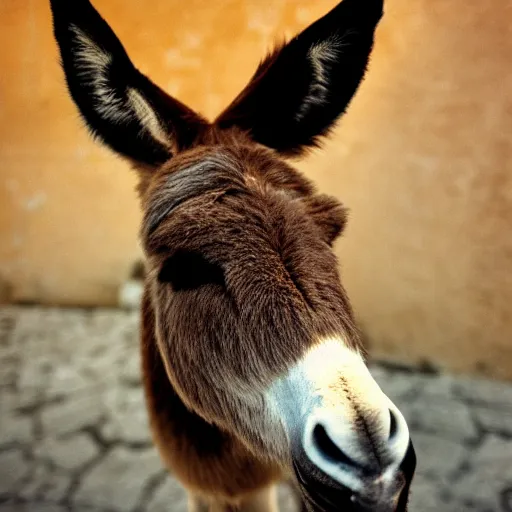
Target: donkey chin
(350,445)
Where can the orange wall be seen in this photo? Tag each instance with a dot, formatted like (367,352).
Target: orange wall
(423,160)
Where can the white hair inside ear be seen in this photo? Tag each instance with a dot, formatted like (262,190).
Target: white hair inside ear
(109,103)
(321,56)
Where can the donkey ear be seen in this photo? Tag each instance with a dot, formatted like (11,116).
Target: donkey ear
(118,103)
(299,91)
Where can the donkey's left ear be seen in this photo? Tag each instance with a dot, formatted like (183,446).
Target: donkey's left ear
(120,105)
(300,90)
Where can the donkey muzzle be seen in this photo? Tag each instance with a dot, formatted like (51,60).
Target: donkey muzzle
(350,445)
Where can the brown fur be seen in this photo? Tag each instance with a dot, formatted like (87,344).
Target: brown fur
(271,297)
(205,459)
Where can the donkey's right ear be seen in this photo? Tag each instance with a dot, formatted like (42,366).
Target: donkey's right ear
(119,104)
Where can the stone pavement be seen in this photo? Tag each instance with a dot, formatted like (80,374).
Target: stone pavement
(73,431)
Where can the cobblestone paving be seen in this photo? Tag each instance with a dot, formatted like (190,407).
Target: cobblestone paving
(74,436)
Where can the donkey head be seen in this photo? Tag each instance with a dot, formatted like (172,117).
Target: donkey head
(252,322)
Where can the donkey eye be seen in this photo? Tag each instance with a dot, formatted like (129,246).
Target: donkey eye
(186,270)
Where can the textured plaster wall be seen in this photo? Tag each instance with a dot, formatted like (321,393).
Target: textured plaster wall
(423,159)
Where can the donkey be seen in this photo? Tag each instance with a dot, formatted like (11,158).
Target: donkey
(253,367)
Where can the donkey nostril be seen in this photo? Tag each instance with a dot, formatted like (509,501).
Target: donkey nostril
(327,448)
(393,425)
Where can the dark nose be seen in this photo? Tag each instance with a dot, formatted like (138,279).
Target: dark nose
(358,465)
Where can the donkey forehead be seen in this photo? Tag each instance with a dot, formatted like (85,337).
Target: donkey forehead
(214,172)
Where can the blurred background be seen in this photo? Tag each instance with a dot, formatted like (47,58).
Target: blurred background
(423,160)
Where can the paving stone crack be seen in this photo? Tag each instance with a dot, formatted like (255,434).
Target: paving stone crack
(149,488)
